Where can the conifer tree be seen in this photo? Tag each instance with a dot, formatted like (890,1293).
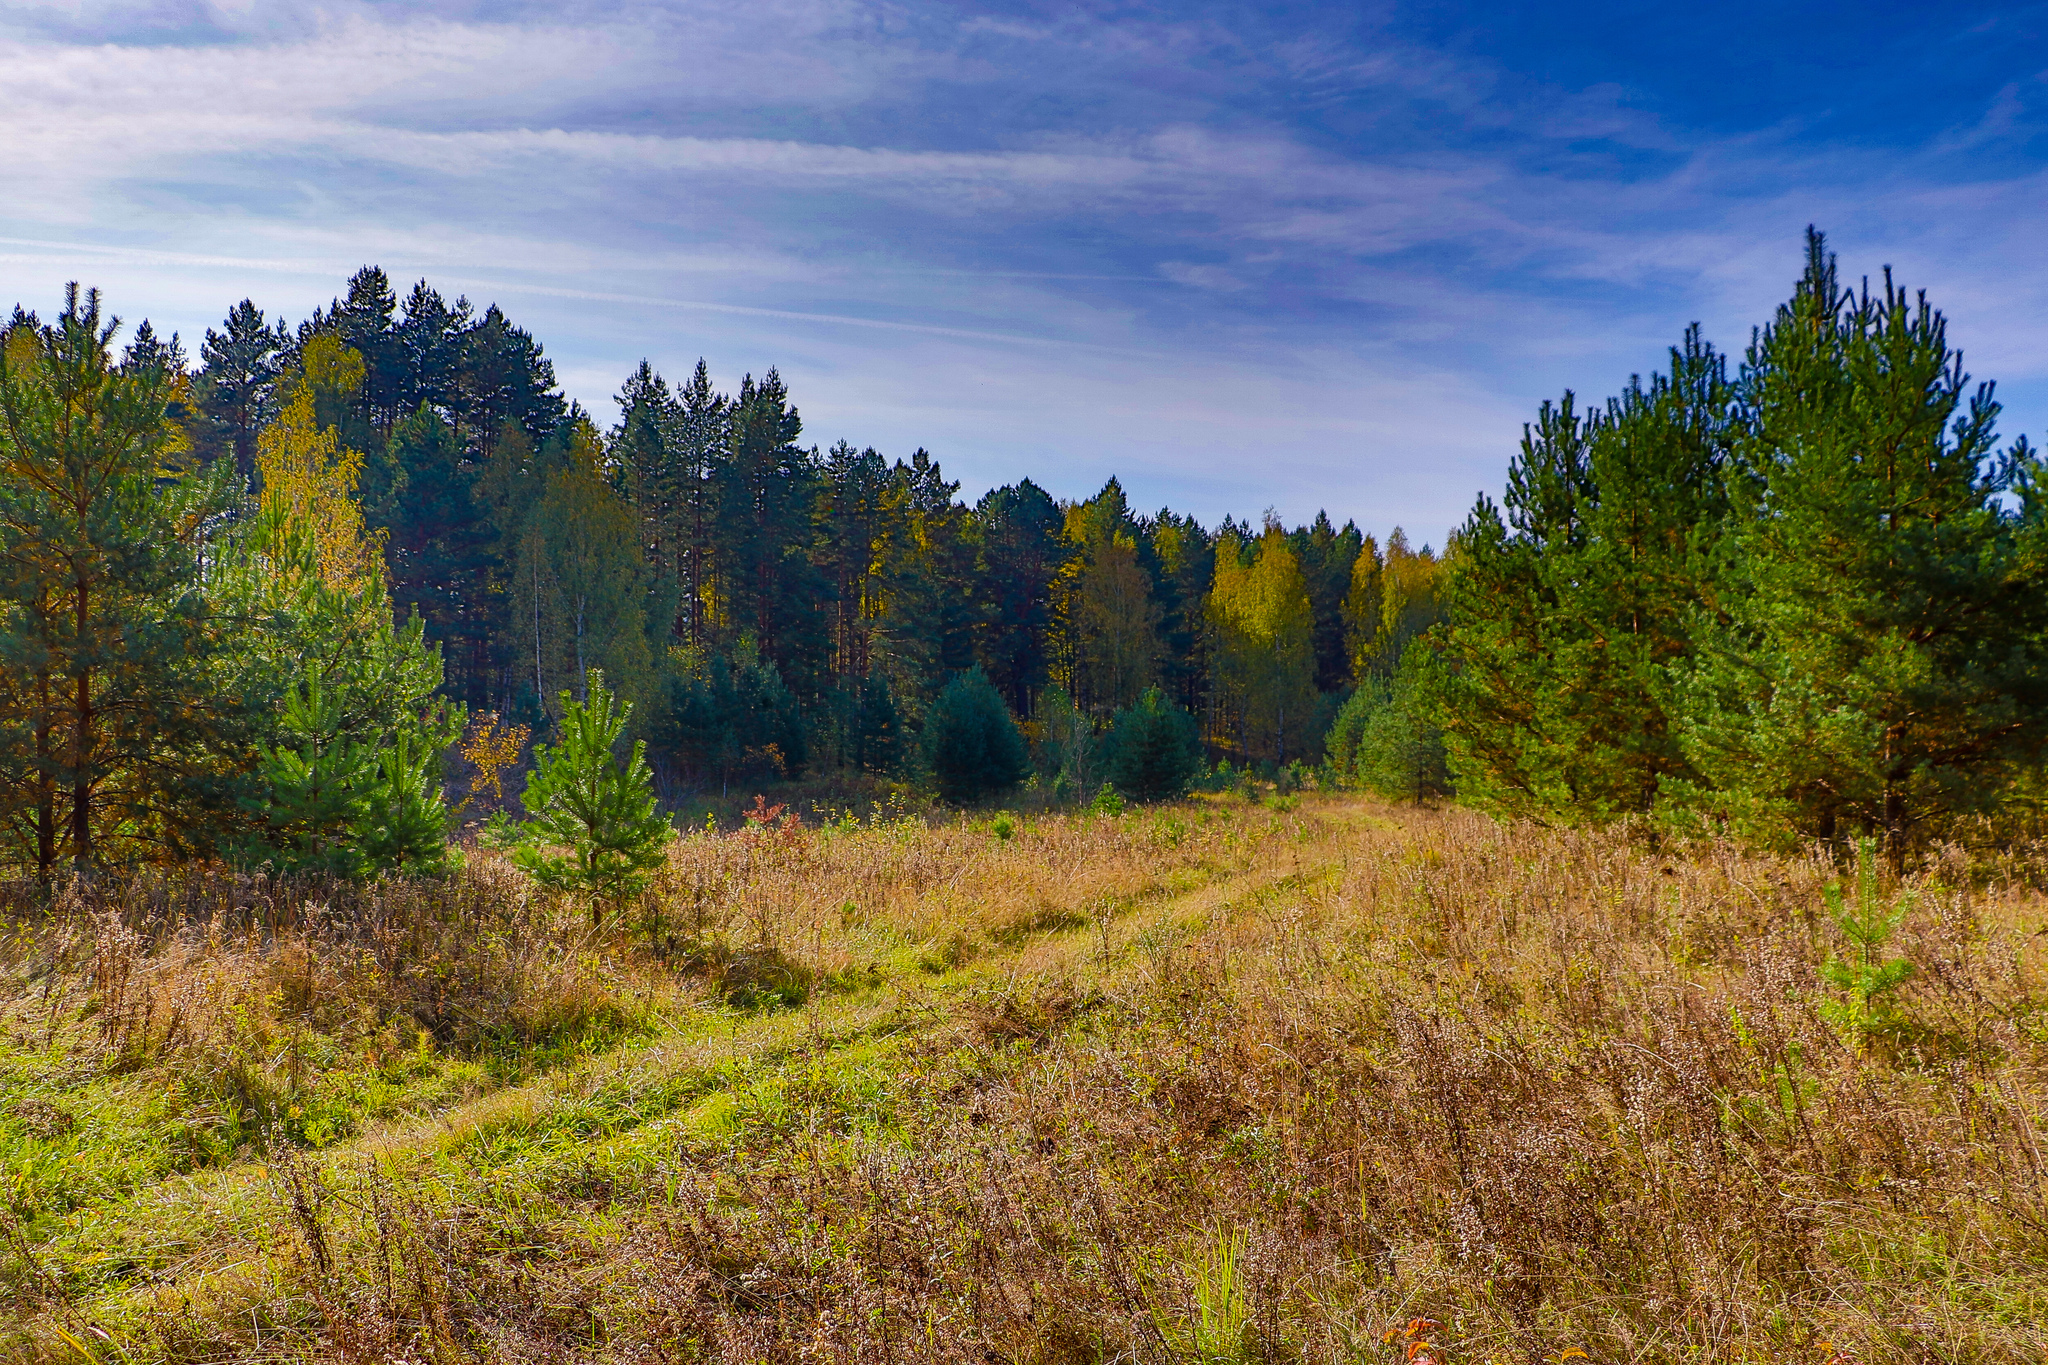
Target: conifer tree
(507,385)
(104,635)
(767,587)
(927,630)
(442,552)
(859,524)
(602,811)
(1155,751)
(972,742)
(241,369)
(1878,662)
(1566,616)
(1185,561)
(1019,529)
(1327,558)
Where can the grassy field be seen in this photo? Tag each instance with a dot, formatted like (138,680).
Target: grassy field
(1312,1079)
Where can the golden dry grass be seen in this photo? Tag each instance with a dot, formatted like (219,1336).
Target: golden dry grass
(1215,1082)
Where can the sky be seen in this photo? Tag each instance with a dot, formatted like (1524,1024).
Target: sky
(1242,257)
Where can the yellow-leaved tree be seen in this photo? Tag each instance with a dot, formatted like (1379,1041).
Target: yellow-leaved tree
(309,478)
(1264,632)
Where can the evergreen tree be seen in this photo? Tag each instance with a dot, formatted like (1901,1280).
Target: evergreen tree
(927,631)
(767,586)
(442,552)
(1155,750)
(1879,661)
(426,346)
(1562,626)
(104,636)
(971,742)
(241,366)
(1327,558)
(603,812)
(364,322)
(1019,530)
(861,523)
(1185,566)
(1390,743)
(877,729)
(507,385)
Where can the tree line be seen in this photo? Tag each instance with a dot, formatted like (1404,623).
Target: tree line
(247,605)
(249,602)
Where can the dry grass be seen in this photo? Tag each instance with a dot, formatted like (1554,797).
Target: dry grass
(1213,1083)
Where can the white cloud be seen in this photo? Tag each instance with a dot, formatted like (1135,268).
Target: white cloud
(1055,246)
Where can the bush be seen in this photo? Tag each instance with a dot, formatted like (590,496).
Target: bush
(1154,749)
(971,743)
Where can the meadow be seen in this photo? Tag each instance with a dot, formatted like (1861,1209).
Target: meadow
(1310,1078)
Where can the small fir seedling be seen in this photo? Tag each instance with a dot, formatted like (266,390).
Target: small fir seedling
(1865,980)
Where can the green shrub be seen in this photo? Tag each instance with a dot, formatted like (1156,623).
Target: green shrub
(971,742)
(1154,749)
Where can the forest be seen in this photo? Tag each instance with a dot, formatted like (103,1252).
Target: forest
(326,552)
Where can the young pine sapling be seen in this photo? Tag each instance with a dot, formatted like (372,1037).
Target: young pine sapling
(583,801)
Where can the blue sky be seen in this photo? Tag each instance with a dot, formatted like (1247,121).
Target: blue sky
(1242,257)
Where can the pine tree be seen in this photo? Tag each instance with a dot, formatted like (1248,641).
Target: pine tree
(427,345)
(507,384)
(766,586)
(1879,663)
(105,636)
(442,553)
(1155,751)
(241,369)
(1185,560)
(860,524)
(1563,627)
(1019,529)
(1327,558)
(603,812)
(927,630)
(878,728)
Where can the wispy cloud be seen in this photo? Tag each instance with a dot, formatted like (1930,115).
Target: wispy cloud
(1323,257)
